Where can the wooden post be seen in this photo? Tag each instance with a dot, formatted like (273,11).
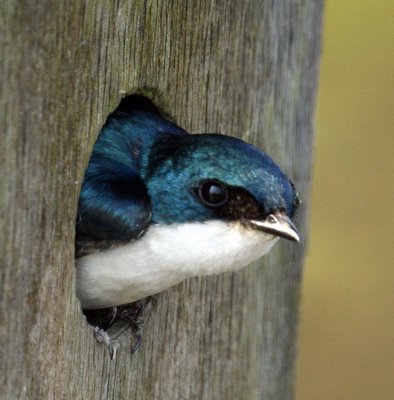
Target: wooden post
(248,69)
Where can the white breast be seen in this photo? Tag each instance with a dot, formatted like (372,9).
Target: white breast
(163,257)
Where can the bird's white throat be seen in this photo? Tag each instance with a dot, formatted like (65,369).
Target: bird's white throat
(165,256)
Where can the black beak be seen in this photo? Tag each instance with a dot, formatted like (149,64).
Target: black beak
(277,224)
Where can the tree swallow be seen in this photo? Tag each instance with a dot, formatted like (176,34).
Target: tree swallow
(159,205)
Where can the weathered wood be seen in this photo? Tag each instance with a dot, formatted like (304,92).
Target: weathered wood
(247,69)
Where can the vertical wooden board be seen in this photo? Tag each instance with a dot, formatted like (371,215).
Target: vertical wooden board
(247,69)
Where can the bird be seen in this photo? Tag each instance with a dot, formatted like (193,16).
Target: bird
(159,205)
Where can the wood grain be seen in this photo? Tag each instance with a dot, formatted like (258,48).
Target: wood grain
(248,69)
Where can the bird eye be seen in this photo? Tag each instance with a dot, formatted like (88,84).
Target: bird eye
(213,193)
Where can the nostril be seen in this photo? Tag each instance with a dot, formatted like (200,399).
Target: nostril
(272,219)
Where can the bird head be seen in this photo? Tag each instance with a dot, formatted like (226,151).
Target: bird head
(198,178)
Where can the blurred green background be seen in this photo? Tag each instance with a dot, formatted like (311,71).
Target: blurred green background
(346,342)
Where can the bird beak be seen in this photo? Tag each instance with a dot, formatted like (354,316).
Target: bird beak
(277,224)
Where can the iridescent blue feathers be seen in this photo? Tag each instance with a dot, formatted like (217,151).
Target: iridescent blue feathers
(146,170)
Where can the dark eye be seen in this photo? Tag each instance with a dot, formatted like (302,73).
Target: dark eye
(213,193)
